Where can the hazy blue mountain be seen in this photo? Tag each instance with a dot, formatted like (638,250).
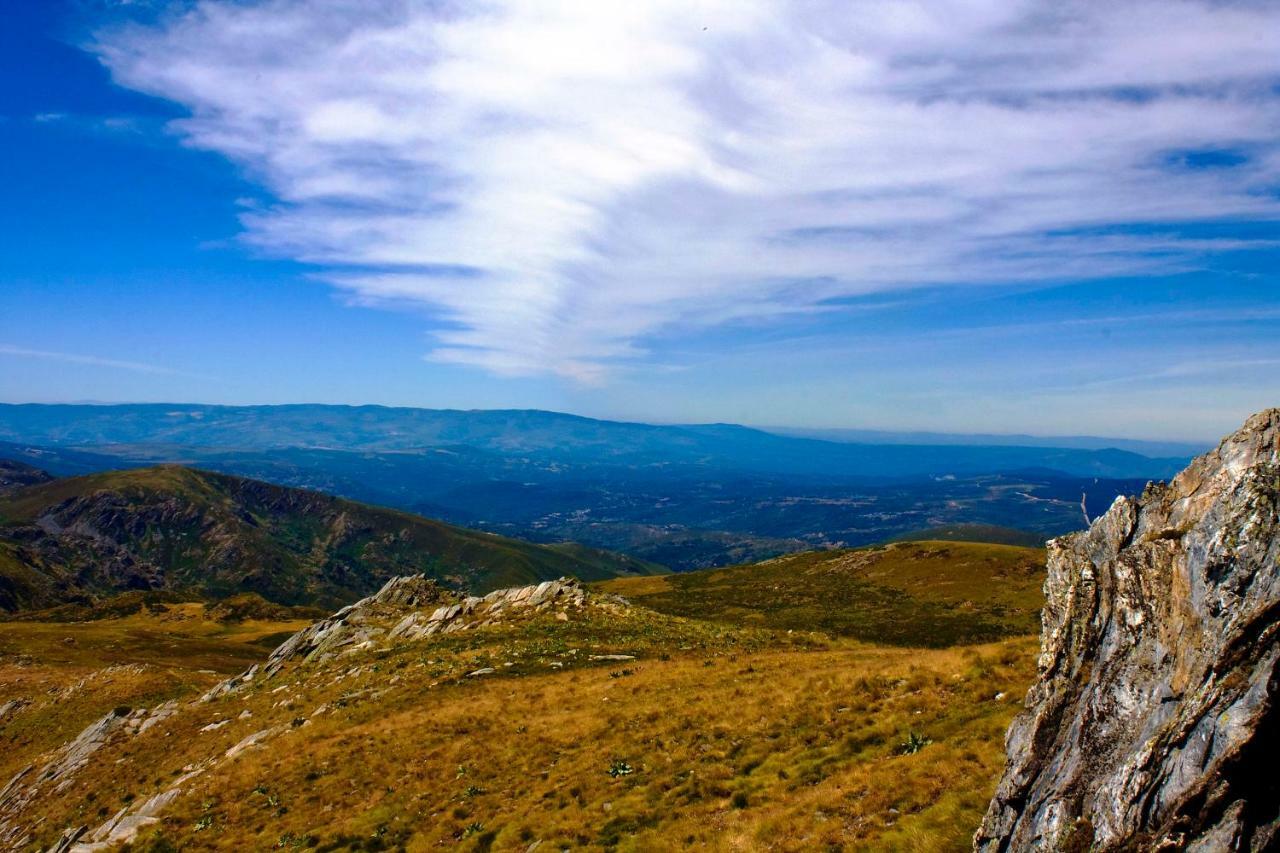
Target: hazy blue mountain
(1144,447)
(682,496)
(546,436)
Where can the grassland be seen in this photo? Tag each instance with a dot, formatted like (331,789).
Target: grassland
(738,732)
(918,593)
(70,674)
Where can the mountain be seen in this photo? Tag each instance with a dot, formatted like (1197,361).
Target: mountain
(205,535)
(687,497)
(679,515)
(1156,716)
(550,437)
(1143,447)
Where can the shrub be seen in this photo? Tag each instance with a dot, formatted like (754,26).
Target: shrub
(913,744)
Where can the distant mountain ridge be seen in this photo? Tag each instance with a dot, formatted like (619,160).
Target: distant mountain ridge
(549,436)
(1144,447)
(213,535)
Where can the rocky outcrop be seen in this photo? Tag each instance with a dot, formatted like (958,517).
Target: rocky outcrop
(1155,715)
(405,610)
(57,774)
(413,608)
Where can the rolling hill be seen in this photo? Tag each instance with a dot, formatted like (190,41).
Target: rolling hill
(910,593)
(207,535)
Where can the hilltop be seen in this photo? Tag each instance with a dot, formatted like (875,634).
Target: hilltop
(195,533)
(915,593)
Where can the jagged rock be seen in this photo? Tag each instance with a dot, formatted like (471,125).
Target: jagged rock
(77,753)
(63,844)
(1155,716)
(13,706)
(252,740)
(126,823)
(59,771)
(362,625)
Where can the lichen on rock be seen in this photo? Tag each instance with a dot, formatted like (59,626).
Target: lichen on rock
(1155,717)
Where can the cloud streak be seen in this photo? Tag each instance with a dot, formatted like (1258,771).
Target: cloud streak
(91,361)
(562,183)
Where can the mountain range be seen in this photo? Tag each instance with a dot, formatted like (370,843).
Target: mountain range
(685,497)
(547,436)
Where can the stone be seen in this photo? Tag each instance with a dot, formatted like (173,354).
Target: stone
(1155,718)
(252,740)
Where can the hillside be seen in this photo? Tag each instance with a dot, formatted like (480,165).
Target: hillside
(545,718)
(212,535)
(917,593)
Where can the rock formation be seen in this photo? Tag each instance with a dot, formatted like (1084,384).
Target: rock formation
(408,609)
(1155,716)
(381,619)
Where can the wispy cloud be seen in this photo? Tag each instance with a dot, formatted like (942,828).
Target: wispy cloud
(92,361)
(560,181)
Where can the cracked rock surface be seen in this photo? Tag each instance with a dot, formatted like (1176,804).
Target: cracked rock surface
(1154,719)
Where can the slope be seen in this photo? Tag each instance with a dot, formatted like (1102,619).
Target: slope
(212,535)
(544,718)
(912,593)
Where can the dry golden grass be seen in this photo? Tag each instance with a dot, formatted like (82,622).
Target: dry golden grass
(734,739)
(70,674)
(912,593)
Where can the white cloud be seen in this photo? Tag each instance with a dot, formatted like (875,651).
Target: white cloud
(91,361)
(559,181)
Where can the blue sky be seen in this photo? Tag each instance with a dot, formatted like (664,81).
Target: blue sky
(957,215)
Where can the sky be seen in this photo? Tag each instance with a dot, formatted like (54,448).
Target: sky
(1005,216)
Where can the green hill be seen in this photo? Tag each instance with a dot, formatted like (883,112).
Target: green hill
(912,593)
(182,530)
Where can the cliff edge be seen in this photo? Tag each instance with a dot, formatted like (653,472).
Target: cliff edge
(1154,721)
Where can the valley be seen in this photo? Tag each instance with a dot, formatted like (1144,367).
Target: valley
(683,497)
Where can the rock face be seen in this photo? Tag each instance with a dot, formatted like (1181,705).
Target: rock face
(1154,720)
